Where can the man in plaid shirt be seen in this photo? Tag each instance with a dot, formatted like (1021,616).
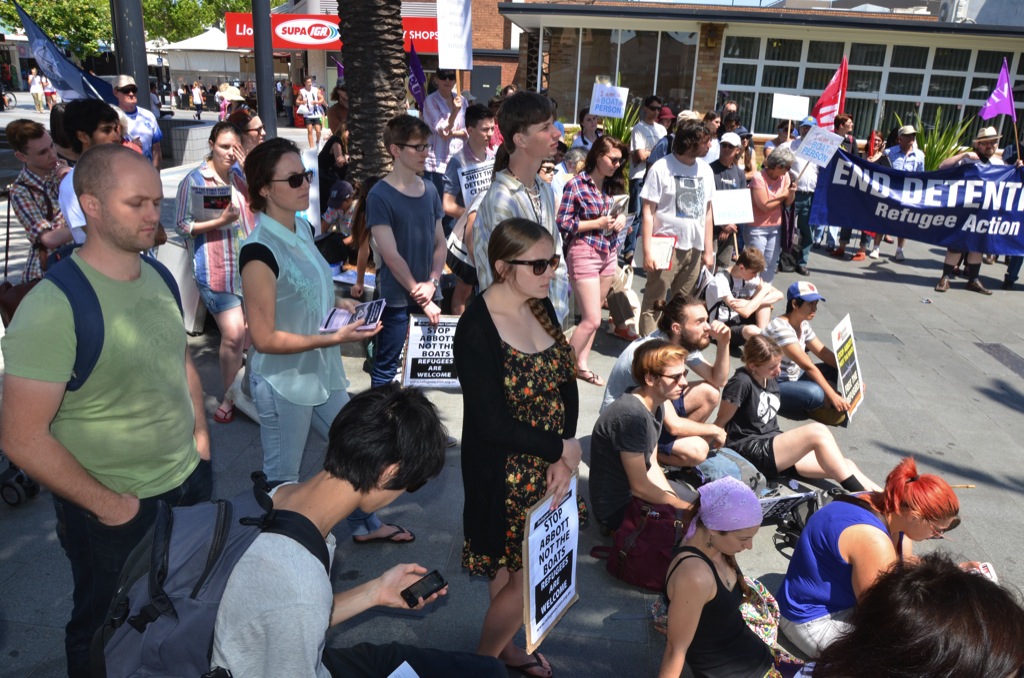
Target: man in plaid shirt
(34,194)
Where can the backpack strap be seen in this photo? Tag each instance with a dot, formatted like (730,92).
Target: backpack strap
(288,523)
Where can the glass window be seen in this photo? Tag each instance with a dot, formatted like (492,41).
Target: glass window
(895,111)
(991,62)
(597,59)
(744,103)
(783,50)
(867,55)
(971,113)
(739,74)
(947,59)
(817,78)
(562,43)
(764,122)
(780,77)
(819,52)
(864,112)
(636,61)
(863,81)
(741,48)
(675,71)
(1020,65)
(905,83)
(909,57)
(946,86)
(981,88)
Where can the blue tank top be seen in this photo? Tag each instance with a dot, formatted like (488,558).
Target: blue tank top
(819,581)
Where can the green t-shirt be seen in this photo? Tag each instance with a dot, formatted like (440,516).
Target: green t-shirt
(131,425)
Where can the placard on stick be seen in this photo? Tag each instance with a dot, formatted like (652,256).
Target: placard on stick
(429,356)
(850,385)
(454,35)
(790,107)
(818,146)
(608,101)
(732,207)
(550,550)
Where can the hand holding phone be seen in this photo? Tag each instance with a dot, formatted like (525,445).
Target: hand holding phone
(424,588)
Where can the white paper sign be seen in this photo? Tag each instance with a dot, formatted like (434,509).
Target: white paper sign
(454,35)
(818,146)
(787,106)
(429,355)
(475,179)
(608,101)
(732,207)
(404,671)
(550,552)
(850,385)
(312,213)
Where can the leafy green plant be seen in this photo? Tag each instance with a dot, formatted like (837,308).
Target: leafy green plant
(622,128)
(939,141)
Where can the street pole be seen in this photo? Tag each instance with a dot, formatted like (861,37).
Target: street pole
(263,53)
(130,45)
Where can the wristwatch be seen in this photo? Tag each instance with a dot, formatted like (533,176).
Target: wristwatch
(435,282)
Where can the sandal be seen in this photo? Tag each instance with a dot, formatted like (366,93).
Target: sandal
(224,415)
(537,663)
(589,377)
(389,537)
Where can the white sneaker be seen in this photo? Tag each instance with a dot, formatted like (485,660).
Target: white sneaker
(874,253)
(899,256)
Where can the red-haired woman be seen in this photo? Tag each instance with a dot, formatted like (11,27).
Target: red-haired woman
(849,543)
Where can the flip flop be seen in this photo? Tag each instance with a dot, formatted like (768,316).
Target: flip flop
(224,415)
(524,669)
(390,537)
(589,377)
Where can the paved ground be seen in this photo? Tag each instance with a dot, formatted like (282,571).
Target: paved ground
(943,383)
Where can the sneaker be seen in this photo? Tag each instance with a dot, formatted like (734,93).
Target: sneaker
(899,256)
(838,252)
(860,256)
(942,285)
(626,333)
(976,286)
(875,254)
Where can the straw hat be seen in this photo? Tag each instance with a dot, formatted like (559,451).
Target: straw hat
(987,134)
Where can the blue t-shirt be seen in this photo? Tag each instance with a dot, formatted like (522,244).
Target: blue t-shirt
(819,581)
(413,221)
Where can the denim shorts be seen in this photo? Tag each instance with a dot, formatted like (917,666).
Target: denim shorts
(218,302)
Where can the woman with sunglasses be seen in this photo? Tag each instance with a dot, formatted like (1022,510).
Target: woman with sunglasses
(214,237)
(296,374)
(590,233)
(849,543)
(520,406)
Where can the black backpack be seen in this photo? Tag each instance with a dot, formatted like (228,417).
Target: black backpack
(162,617)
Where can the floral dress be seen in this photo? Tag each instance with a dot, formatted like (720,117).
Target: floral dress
(531,389)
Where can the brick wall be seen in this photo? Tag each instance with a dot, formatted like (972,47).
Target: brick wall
(709,59)
(490,29)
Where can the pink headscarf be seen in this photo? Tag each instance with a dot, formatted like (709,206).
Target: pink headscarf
(725,505)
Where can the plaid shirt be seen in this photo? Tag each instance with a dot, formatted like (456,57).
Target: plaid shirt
(582,201)
(28,198)
(507,198)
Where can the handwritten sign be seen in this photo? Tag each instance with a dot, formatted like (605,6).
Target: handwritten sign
(732,207)
(454,35)
(851,387)
(429,356)
(475,179)
(550,551)
(818,146)
(790,107)
(608,101)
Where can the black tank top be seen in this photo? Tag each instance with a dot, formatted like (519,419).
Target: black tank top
(723,646)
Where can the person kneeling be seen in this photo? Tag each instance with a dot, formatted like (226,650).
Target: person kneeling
(740,299)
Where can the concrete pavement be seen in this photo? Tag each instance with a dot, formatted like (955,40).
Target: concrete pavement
(943,383)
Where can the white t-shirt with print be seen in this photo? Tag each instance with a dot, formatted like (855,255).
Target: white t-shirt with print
(683,194)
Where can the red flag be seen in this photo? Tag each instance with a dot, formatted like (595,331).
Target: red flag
(832,101)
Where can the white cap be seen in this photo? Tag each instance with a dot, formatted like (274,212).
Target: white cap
(731,138)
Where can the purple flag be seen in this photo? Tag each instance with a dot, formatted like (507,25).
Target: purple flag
(417,81)
(1001,99)
(341,69)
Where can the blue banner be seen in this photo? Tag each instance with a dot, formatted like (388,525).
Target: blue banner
(974,208)
(70,81)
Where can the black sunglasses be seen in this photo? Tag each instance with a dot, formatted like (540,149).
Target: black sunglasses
(295,180)
(547,170)
(539,265)
(940,534)
(654,108)
(445,75)
(130,89)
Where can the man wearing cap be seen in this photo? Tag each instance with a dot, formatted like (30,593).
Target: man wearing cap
(908,158)
(338,215)
(806,388)
(805,176)
(142,126)
(647,132)
(729,176)
(983,151)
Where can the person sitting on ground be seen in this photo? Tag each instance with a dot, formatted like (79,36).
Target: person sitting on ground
(705,587)
(806,387)
(848,543)
(385,442)
(929,618)
(623,449)
(750,403)
(740,299)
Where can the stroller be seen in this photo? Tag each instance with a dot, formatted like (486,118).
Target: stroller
(15,486)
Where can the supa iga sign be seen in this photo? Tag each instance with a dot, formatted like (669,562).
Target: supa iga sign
(320,32)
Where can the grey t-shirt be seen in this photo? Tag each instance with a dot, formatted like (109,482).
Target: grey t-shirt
(626,426)
(413,221)
(621,377)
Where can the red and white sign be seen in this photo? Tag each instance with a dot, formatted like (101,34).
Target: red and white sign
(320,32)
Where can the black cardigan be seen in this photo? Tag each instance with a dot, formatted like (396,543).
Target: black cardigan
(490,433)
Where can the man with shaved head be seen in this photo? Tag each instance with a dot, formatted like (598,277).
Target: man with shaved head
(134,432)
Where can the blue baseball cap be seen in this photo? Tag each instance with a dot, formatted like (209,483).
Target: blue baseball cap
(804,290)
(809,121)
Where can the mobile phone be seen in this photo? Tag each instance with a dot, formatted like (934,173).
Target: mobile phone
(424,588)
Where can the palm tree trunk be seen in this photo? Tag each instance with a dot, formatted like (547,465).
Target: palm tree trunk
(375,71)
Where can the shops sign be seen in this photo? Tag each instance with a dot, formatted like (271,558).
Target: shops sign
(320,32)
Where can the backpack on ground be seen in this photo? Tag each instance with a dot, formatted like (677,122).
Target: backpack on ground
(162,616)
(791,525)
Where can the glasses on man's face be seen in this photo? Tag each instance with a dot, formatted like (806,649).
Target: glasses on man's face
(129,90)
(539,265)
(295,180)
(675,378)
(419,148)
(654,108)
(547,169)
(940,533)
(257,130)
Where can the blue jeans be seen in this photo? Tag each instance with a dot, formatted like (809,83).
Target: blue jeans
(798,398)
(1013,269)
(388,349)
(802,205)
(766,239)
(284,428)
(98,552)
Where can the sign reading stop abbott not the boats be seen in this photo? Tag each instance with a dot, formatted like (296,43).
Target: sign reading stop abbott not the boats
(429,357)
(851,387)
(550,551)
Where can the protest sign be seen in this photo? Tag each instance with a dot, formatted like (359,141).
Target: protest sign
(475,179)
(818,146)
(454,35)
(550,551)
(970,208)
(429,358)
(608,101)
(732,207)
(790,107)
(775,508)
(850,385)
(312,213)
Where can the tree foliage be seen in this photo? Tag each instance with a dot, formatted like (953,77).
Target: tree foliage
(176,20)
(80,24)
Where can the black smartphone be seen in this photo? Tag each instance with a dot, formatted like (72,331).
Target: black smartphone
(424,588)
